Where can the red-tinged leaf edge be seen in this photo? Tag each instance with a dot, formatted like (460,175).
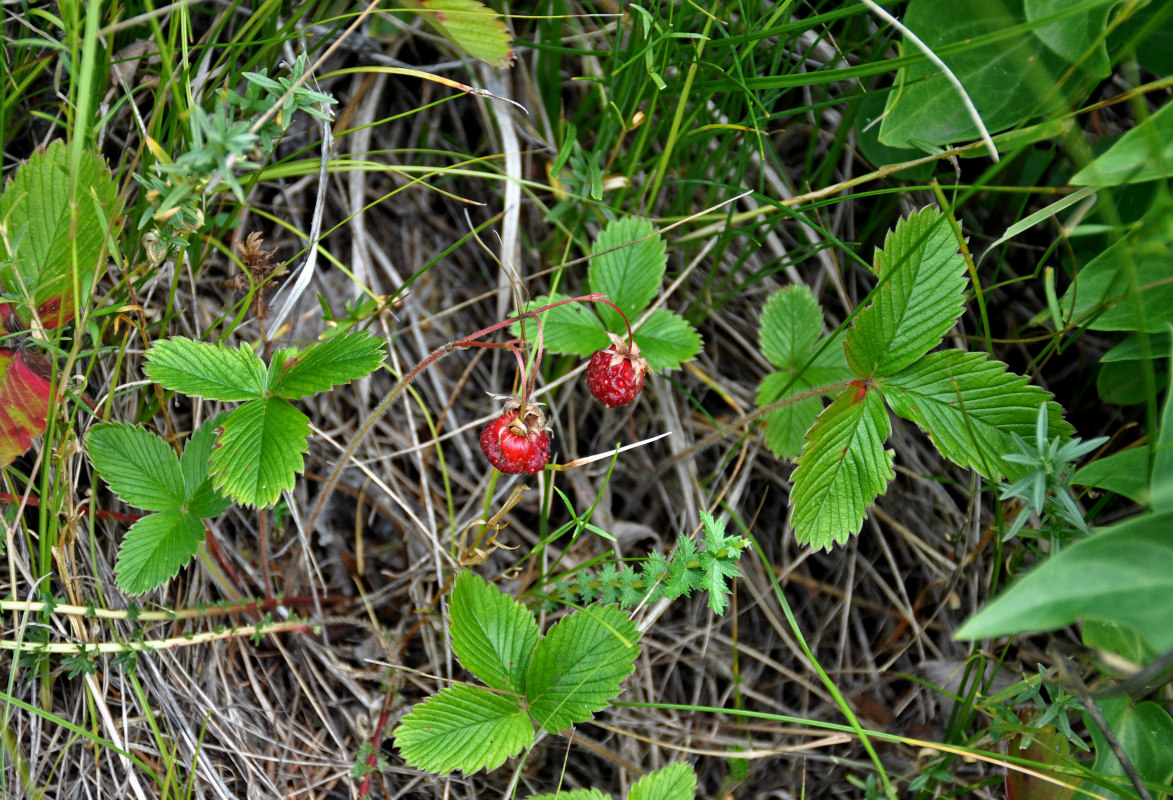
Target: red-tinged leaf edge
(25,385)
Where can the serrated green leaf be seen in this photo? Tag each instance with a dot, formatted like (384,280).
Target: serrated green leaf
(324,365)
(630,275)
(1144,731)
(792,322)
(1144,153)
(493,635)
(46,242)
(203,500)
(571,328)
(920,296)
(842,469)
(573,794)
(578,666)
(785,428)
(260,451)
(206,370)
(474,28)
(155,549)
(666,340)
(673,782)
(138,466)
(970,405)
(463,728)
(1122,574)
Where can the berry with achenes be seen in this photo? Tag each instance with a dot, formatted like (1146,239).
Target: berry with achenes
(518,440)
(615,375)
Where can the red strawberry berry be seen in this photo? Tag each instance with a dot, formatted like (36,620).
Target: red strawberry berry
(517,441)
(616,375)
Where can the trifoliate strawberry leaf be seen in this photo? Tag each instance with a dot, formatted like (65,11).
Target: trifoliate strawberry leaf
(791,323)
(626,270)
(673,782)
(139,466)
(463,728)
(578,666)
(842,469)
(25,389)
(970,406)
(324,365)
(260,451)
(203,500)
(493,635)
(473,27)
(666,340)
(571,328)
(47,243)
(206,370)
(785,428)
(156,548)
(920,296)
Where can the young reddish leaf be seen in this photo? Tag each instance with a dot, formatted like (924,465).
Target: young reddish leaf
(24,400)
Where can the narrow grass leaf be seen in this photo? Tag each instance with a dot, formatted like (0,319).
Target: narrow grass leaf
(666,340)
(324,365)
(673,782)
(791,324)
(155,549)
(260,451)
(1121,574)
(842,468)
(578,666)
(493,635)
(920,296)
(626,270)
(206,370)
(970,406)
(463,728)
(571,328)
(138,466)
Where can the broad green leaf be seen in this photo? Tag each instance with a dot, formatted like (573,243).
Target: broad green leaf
(473,27)
(203,500)
(785,427)
(573,794)
(921,295)
(493,635)
(631,272)
(572,328)
(867,135)
(1139,347)
(463,728)
(1161,485)
(324,365)
(673,782)
(1123,384)
(1125,473)
(156,548)
(1144,153)
(578,666)
(842,469)
(46,242)
(988,46)
(1122,640)
(1144,732)
(1123,574)
(792,322)
(1078,36)
(260,451)
(138,466)
(969,405)
(666,340)
(25,387)
(206,370)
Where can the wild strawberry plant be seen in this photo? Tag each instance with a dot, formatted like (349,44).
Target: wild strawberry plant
(673,782)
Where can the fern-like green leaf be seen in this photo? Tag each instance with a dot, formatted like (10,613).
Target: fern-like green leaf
(260,451)
(206,370)
(324,365)
(137,465)
(842,469)
(626,269)
(970,406)
(463,728)
(493,635)
(155,549)
(921,295)
(578,666)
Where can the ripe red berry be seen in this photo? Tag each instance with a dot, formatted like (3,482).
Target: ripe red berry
(517,441)
(616,374)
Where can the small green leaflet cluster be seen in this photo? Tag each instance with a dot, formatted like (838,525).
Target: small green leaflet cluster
(259,449)
(628,265)
(673,782)
(145,472)
(789,337)
(658,576)
(970,405)
(553,681)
